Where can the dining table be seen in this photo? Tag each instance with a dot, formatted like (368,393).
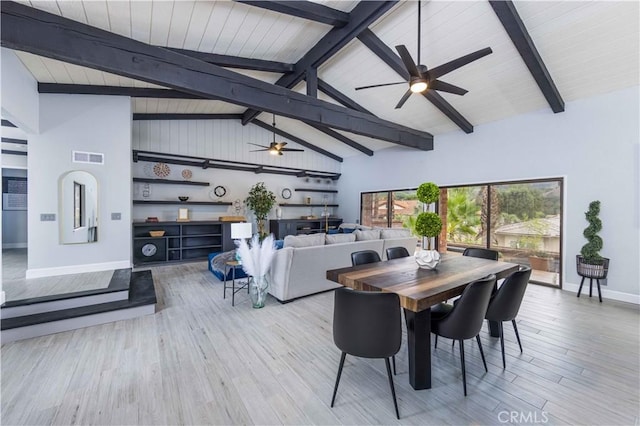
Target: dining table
(419,289)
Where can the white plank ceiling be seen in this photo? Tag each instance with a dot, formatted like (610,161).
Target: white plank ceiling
(589,48)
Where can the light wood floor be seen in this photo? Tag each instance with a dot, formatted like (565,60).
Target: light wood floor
(17,287)
(201,361)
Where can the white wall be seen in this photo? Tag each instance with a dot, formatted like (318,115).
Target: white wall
(594,144)
(227,140)
(19,93)
(99,124)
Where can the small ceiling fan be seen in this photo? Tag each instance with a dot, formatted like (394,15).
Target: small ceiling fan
(275,148)
(421,78)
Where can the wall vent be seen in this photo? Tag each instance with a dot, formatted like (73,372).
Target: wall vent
(88,157)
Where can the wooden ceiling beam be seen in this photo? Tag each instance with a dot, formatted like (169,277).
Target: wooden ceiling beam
(384,52)
(364,14)
(515,28)
(35,31)
(171,116)
(134,92)
(303,9)
(342,138)
(237,62)
(337,95)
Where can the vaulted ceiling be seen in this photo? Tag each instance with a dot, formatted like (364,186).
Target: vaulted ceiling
(582,49)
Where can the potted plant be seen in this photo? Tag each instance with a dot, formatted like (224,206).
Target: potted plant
(428,225)
(589,262)
(260,201)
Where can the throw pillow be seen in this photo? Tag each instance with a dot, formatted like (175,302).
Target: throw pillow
(373,234)
(298,241)
(339,238)
(388,233)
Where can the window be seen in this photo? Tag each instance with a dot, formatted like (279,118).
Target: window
(389,209)
(521,220)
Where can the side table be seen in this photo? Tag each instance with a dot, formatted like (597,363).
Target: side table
(233,265)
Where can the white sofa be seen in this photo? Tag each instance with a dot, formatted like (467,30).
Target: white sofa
(298,271)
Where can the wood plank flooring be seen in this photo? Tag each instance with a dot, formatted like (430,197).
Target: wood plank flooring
(17,287)
(201,361)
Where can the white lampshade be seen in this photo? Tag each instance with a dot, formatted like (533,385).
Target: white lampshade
(241,230)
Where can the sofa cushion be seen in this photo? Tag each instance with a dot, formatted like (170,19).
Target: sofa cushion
(339,238)
(373,234)
(304,240)
(387,233)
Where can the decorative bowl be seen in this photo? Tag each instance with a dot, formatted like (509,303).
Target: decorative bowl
(427,259)
(156,233)
(183,198)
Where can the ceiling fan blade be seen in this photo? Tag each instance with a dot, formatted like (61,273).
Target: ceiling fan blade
(256,150)
(280,145)
(404,99)
(408,61)
(380,85)
(291,150)
(255,144)
(443,69)
(446,87)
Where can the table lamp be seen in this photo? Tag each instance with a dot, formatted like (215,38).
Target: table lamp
(240,231)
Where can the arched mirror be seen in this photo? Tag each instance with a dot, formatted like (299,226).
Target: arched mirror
(78,208)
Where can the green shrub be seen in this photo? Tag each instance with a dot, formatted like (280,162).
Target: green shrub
(591,251)
(428,193)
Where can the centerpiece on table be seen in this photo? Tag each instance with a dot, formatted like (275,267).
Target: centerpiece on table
(428,225)
(256,261)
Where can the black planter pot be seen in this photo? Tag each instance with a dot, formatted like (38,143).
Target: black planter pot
(589,270)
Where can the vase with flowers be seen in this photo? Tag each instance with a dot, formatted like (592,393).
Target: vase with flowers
(256,261)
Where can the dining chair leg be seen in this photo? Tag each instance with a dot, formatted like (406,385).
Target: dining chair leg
(580,289)
(393,390)
(436,344)
(394,365)
(515,328)
(464,373)
(335,389)
(481,352)
(590,287)
(599,294)
(501,331)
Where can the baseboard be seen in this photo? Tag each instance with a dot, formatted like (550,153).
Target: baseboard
(76,269)
(606,293)
(14,245)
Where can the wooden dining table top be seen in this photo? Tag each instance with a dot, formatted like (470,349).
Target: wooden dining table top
(418,288)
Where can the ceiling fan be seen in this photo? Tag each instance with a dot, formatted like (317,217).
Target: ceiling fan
(275,148)
(422,79)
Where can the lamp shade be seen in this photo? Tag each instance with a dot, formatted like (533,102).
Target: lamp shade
(241,230)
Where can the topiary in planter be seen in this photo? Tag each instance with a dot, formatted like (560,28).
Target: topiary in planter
(428,224)
(428,193)
(591,251)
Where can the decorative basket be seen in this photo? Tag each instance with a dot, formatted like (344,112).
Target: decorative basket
(589,270)
(156,233)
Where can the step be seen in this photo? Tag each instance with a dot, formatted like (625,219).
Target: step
(118,289)
(141,301)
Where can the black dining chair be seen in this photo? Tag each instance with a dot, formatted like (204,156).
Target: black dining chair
(364,256)
(366,324)
(481,253)
(505,303)
(463,320)
(397,252)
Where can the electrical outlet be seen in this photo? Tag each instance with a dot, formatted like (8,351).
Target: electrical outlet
(47,217)
(116,216)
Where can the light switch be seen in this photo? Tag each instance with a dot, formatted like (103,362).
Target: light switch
(47,217)
(116,216)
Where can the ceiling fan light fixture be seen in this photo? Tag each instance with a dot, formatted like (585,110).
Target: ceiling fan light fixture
(418,85)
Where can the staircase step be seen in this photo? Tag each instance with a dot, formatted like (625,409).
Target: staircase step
(141,301)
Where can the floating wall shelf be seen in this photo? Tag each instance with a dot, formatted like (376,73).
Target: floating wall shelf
(212,163)
(193,203)
(170,182)
(308,205)
(328,191)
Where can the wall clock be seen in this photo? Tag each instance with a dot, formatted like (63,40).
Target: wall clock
(286,193)
(149,249)
(220,191)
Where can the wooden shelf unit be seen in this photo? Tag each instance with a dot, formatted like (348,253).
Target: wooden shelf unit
(283,227)
(182,241)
